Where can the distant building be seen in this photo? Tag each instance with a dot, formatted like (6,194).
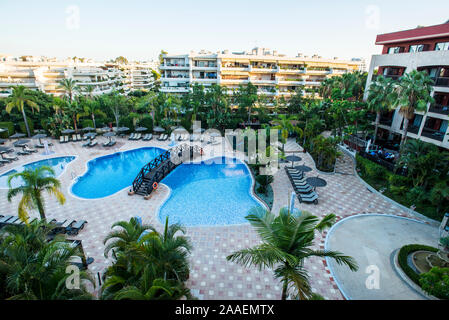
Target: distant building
(273,74)
(423,48)
(41,73)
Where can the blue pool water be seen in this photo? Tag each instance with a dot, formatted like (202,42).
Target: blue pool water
(209,194)
(109,174)
(58,164)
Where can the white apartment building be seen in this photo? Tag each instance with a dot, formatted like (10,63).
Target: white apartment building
(273,74)
(45,74)
(423,49)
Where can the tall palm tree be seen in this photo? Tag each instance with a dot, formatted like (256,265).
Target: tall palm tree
(286,243)
(33,268)
(285,125)
(413,94)
(70,88)
(34,183)
(381,96)
(91,108)
(19,99)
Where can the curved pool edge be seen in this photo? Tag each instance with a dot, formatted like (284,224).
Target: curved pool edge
(251,193)
(53,156)
(86,168)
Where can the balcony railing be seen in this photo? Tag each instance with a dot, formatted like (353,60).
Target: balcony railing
(385,121)
(442,82)
(438,108)
(413,129)
(432,134)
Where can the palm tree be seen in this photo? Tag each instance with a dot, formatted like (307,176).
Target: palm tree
(413,94)
(285,124)
(148,264)
(246,98)
(70,88)
(91,108)
(33,268)
(381,96)
(34,183)
(19,99)
(286,243)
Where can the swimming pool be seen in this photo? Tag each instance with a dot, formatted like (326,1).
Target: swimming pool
(58,164)
(209,193)
(109,174)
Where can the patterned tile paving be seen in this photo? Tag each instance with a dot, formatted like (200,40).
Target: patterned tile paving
(212,277)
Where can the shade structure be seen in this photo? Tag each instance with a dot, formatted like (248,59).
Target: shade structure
(21,142)
(140,129)
(67,131)
(316,182)
(122,129)
(303,168)
(90,134)
(293,158)
(158,129)
(17,135)
(109,134)
(39,136)
(88,129)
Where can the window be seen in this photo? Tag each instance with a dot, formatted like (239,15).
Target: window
(442,46)
(395,50)
(417,48)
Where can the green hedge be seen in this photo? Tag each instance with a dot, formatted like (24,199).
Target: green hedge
(9,126)
(147,122)
(402,259)
(87,123)
(23,128)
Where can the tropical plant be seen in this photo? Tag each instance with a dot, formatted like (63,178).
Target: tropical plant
(18,99)
(436,282)
(380,98)
(413,94)
(33,268)
(148,264)
(91,108)
(287,241)
(246,97)
(34,183)
(69,87)
(286,126)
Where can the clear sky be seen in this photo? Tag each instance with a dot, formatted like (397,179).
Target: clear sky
(104,29)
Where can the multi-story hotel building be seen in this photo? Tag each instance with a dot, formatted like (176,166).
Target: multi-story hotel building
(423,48)
(272,73)
(45,74)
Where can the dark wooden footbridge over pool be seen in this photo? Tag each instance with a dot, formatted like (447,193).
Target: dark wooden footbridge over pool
(158,168)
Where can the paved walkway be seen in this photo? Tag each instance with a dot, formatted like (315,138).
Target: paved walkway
(371,240)
(211,277)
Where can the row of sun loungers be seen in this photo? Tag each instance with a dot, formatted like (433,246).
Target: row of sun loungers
(75,138)
(66,227)
(163,137)
(304,191)
(90,144)
(109,143)
(147,137)
(135,136)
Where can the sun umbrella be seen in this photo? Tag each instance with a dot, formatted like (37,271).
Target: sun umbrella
(122,129)
(303,168)
(90,134)
(158,129)
(140,129)
(109,134)
(67,131)
(316,182)
(4,149)
(88,129)
(17,135)
(21,142)
(105,129)
(39,136)
(293,158)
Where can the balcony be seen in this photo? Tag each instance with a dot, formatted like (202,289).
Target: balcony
(438,108)
(432,134)
(442,82)
(386,121)
(174,89)
(174,67)
(413,129)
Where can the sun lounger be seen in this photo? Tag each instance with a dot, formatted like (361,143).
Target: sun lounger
(74,138)
(308,198)
(92,143)
(113,142)
(66,138)
(86,144)
(60,227)
(131,136)
(61,139)
(23,153)
(38,145)
(10,158)
(4,161)
(28,149)
(75,227)
(303,189)
(78,137)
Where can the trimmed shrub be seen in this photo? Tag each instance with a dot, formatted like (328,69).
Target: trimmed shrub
(147,122)
(9,126)
(436,282)
(402,259)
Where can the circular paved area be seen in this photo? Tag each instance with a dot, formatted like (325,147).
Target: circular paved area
(371,240)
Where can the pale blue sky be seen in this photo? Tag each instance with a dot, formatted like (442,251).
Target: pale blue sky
(140,29)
